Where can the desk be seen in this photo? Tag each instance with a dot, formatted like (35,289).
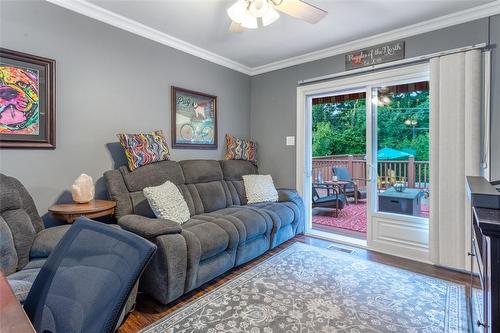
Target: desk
(13,319)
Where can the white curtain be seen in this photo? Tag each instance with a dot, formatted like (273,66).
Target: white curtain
(455,113)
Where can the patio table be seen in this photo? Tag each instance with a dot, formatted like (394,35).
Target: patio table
(407,202)
(341,185)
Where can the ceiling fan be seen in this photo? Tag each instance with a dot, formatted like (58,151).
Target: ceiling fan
(246,14)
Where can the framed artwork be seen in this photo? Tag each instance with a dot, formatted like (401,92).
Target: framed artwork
(27,101)
(194,119)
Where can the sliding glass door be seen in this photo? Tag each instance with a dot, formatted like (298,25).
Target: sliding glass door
(383,185)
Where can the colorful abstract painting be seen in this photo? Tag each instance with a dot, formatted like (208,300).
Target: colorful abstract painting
(19,100)
(194,119)
(27,100)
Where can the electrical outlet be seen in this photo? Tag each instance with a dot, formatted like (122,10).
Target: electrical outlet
(290,141)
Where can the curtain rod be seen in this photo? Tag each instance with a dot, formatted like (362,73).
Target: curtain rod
(394,63)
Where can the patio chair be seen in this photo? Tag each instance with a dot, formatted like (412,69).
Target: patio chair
(390,178)
(343,174)
(331,200)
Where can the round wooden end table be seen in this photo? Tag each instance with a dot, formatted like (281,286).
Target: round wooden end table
(95,208)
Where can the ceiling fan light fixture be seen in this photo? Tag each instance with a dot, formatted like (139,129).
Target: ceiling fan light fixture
(258,8)
(238,11)
(249,22)
(270,17)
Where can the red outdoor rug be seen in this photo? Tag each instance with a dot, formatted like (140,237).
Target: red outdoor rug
(352,217)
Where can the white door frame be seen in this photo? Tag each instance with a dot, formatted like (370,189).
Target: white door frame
(365,82)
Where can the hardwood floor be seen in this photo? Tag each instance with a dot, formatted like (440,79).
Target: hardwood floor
(148,310)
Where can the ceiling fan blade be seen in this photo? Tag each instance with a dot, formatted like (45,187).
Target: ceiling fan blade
(301,10)
(235,27)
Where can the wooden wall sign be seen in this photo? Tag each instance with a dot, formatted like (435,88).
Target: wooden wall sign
(375,55)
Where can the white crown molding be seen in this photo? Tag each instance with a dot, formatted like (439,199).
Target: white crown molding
(98,13)
(471,14)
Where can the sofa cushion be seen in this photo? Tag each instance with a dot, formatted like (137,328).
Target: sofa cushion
(212,195)
(167,202)
(23,233)
(201,171)
(152,175)
(140,205)
(22,281)
(236,169)
(46,240)
(211,237)
(249,222)
(282,213)
(8,254)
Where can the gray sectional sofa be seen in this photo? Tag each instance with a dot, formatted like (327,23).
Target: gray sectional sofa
(223,231)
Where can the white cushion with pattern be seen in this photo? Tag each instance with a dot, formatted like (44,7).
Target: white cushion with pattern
(260,188)
(167,202)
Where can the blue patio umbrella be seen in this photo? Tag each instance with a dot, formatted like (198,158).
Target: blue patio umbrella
(386,154)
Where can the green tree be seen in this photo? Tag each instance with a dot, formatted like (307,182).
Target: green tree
(403,124)
(322,139)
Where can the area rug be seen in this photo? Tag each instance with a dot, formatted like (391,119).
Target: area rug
(309,289)
(352,217)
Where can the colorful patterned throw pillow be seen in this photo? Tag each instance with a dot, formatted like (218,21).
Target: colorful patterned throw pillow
(144,149)
(240,149)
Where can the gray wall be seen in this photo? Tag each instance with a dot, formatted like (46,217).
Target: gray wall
(273,99)
(108,81)
(111,81)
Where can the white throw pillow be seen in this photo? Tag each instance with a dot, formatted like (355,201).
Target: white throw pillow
(167,202)
(260,188)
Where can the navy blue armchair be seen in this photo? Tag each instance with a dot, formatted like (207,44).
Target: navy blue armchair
(84,284)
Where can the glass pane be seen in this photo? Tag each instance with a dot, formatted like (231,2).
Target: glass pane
(402,154)
(339,164)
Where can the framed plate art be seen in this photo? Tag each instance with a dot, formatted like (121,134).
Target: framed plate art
(194,119)
(27,101)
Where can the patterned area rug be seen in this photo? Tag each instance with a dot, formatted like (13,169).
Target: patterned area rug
(353,217)
(308,289)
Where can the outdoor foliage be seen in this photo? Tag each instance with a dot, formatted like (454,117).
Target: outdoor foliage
(403,124)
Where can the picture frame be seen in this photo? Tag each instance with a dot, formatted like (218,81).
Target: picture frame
(27,101)
(194,119)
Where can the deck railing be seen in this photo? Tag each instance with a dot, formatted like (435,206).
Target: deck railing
(414,173)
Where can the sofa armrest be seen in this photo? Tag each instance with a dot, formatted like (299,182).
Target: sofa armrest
(149,227)
(287,194)
(46,240)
